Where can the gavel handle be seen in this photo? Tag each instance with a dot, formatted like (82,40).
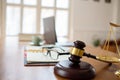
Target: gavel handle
(110,61)
(89,55)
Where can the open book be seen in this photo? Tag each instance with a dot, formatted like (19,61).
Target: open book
(38,55)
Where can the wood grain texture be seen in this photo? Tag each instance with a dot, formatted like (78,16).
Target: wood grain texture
(12,64)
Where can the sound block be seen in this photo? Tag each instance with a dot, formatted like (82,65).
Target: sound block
(80,71)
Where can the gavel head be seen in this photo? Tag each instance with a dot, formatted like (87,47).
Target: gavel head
(79,44)
(77,52)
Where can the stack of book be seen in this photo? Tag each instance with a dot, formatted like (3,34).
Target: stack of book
(36,55)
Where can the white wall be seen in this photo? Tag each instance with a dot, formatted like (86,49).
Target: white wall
(91,19)
(0,17)
(118,20)
(118,11)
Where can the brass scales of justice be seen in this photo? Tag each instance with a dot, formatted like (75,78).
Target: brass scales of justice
(106,46)
(75,69)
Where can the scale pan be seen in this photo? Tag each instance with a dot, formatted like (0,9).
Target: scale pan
(108,59)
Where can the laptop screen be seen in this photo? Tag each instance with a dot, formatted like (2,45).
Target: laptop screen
(49,30)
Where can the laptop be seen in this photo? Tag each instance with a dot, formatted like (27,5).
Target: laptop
(50,35)
(49,30)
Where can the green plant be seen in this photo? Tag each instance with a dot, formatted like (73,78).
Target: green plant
(36,40)
(96,42)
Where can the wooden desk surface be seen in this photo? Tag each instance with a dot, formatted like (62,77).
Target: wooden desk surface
(12,64)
